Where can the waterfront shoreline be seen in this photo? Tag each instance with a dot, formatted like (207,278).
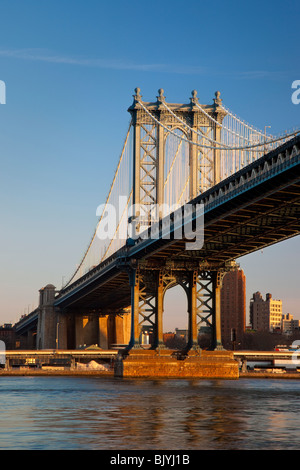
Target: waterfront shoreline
(99,373)
(268,375)
(53,373)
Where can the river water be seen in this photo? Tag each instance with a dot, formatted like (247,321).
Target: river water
(107,413)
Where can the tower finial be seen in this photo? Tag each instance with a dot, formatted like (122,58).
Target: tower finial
(217,99)
(194,98)
(137,95)
(161,96)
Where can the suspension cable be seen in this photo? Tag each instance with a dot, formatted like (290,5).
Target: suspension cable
(106,202)
(247,147)
(190,128)
(226,128)
(211,119)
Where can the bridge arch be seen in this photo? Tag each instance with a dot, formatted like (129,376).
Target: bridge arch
(175,314)
(179,128)
(175,282)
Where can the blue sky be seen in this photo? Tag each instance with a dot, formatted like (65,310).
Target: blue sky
(70,69)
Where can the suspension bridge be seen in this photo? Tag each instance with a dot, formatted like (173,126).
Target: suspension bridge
(195,188)
(218,143)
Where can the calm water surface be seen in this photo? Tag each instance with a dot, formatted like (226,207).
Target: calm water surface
(115,414)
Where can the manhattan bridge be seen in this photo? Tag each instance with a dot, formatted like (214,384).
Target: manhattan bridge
(194,189)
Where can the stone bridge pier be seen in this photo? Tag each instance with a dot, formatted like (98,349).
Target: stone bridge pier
(203,290)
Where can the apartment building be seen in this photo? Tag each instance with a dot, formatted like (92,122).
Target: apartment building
(289,325)
(265,315)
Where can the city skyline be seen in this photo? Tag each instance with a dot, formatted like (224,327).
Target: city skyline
(70,73)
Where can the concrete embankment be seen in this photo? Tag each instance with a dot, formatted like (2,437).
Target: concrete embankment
(54,372)
(110,373)
(269,375)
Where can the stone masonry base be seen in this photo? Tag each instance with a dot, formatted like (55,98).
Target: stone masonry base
(167,363)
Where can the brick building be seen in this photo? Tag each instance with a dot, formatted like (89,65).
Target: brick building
(7,334)
(233,308)
(289,325)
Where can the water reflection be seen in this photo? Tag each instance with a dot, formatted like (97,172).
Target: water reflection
(116,414)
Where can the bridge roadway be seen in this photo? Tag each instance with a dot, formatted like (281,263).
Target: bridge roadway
(57,357)
(250,210)
(262,356)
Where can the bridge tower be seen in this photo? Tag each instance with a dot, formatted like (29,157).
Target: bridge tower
(154,123)
(161,129)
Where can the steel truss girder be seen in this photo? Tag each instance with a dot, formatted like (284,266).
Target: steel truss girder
(205,163)
(147,157)
(149,288)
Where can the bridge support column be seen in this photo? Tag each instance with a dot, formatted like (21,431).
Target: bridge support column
(192,312)
(62,331)
(134,285)
(147,291)
(217,285)
(47,319)
(193,166)
(121,324)
(86,330)
(103,333)
(217,137)
(158,342)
